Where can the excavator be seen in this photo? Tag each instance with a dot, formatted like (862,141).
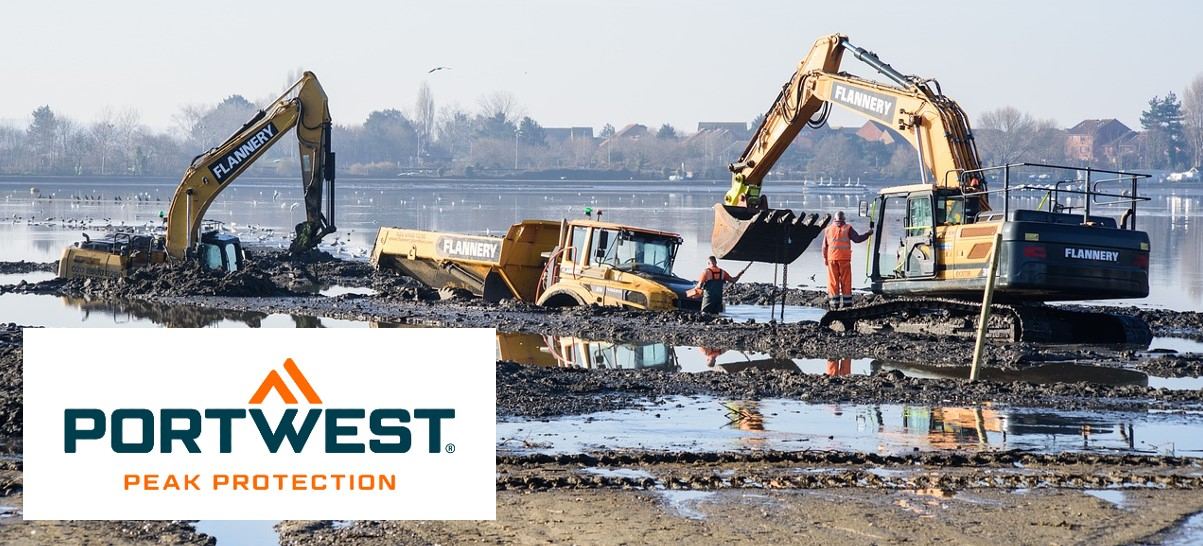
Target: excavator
(933,240)
(305,106)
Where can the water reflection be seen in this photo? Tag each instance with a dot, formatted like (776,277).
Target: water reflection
(170,316)
(62,311)
(572,352)
(716,424)
(567,351)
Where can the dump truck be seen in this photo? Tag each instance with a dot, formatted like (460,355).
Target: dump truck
(549,263)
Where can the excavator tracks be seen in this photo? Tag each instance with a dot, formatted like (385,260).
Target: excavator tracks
(957,318)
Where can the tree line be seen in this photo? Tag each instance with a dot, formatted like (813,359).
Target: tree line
(499,139)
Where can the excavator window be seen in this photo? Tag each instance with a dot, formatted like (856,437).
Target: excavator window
(950,211)
(918,217)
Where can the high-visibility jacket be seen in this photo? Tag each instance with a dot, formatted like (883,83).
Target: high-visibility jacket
(713,274)
(837,243)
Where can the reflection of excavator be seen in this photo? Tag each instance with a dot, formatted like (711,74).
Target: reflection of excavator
(171,316)
(303,105)
(935,238)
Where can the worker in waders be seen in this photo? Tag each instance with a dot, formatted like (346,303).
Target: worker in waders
(711,283)
(837,256)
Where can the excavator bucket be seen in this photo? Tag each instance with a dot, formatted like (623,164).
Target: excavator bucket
(770,235)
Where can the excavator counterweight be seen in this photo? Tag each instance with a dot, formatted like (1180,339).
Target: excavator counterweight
(775,236)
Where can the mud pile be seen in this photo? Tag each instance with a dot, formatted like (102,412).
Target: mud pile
(166,280)
(11,385)
(27,267)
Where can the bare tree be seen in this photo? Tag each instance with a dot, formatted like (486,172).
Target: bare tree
(103,131)
(501,102)
(1005,135)
(424,117)
(1192,120)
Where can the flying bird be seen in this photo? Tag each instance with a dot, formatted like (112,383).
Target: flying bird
(438,68)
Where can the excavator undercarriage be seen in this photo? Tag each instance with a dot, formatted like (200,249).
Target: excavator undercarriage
(1007,322)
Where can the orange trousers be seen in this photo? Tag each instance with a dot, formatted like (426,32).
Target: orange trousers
(839,282)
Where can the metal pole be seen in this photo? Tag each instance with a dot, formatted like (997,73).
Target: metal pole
(919,151)
(986,300)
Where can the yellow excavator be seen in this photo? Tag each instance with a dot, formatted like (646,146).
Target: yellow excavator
(933,239)
(305,106)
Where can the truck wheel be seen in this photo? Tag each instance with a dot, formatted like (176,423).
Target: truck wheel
(561,299)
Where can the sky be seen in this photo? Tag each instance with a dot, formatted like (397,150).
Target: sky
(585,62)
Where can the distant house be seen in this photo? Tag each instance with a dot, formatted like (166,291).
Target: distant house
(1099,141)
(738,129)
(567,134)
(634,131)
(872,131)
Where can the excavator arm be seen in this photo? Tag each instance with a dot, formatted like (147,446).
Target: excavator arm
(934,125)
(304,106)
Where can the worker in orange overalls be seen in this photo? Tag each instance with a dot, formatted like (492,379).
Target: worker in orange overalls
(711,282)
(837,256)
(842,366)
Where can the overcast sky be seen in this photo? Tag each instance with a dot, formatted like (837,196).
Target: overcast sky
(588,63)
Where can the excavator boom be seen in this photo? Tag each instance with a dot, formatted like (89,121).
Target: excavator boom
(305,106)
(934,124)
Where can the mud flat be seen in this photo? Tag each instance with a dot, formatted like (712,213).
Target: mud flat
(740,497)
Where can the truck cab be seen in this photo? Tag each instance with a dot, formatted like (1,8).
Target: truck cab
(610,264)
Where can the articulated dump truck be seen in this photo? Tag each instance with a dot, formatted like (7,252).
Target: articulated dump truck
(555,264)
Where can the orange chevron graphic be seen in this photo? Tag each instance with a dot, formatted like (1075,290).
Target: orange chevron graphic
(274,381)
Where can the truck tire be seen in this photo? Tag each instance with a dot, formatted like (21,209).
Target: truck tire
(562,299)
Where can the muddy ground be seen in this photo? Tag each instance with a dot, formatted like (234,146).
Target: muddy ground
(751,498)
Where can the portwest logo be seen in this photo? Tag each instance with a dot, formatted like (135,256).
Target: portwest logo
(178,427)
(214,423)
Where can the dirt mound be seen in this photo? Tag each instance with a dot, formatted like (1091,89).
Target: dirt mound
(758,293)
(27,267)
(166,280)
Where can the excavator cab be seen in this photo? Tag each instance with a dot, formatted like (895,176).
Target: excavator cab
(220,251)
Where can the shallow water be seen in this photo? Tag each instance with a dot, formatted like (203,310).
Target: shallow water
(261,211)
(240,533)
(714,424)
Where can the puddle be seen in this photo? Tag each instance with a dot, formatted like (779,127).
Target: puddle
(685,502)
(1177,344)
(619,473)
(706,424)
(1190,533)
(339,290)
(1112,496)
(240,533)
(31,277)
(765,313)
